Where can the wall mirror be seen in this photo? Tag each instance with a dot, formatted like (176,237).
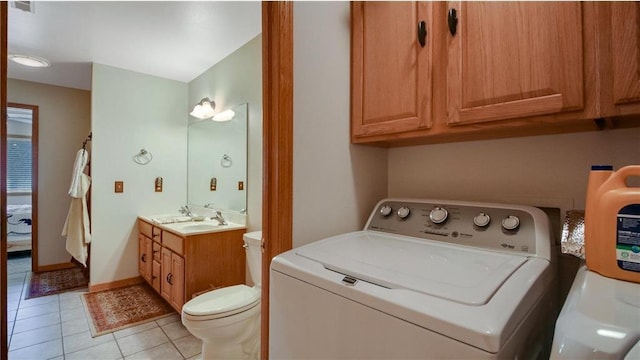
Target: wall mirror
(217,162)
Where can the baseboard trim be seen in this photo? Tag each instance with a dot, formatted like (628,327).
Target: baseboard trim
(116,284)
(54,267)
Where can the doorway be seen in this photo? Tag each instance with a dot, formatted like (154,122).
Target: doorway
(22,183)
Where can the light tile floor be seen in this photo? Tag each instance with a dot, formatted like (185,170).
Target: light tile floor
(56,327)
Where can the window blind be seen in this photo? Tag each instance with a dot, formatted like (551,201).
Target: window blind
(19,165)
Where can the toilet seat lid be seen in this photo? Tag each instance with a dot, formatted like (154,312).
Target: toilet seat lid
(222,302)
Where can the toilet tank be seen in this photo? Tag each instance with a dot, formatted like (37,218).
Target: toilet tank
(253,242)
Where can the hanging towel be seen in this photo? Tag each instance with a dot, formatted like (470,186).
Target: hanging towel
(77,227)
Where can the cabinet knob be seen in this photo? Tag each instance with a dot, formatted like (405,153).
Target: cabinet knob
(170,278)
(453,21)
(422,33)
(143,258)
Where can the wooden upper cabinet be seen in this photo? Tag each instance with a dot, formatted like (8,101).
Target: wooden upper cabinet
(390,69)
(625,51)
(510,60)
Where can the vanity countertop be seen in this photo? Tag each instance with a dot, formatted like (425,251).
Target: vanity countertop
(184,227)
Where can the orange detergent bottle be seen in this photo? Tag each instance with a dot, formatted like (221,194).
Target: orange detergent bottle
(612,224)
(598,175)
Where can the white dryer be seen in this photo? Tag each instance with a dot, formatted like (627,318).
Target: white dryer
(599,320)
(424,279)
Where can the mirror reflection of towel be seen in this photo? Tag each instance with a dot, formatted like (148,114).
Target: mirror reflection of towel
(77,227)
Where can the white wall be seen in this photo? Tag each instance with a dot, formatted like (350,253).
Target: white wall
(235,80)
(541,170)
(335,184)
(64,123)
(131,111)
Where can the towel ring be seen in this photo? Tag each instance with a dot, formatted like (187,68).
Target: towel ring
(226,161)
(143,157)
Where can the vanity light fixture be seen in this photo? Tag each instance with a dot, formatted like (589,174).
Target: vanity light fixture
(28,60)
(224,116)
(204,109)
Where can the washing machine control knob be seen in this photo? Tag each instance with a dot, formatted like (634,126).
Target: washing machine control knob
(438,215)
(482,220)
(385,210)
(511,222)
(404,212)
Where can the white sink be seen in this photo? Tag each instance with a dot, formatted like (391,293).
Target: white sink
(199,227)
(186,226)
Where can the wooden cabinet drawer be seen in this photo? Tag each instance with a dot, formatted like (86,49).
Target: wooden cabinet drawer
(145,228)
(156,251)
(156,234)
(173,242)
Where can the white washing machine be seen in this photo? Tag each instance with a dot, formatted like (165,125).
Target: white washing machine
(599,320)
(424,279)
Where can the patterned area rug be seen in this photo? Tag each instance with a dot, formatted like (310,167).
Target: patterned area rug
(120,308)
(55,282)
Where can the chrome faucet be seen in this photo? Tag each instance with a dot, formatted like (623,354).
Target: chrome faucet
(219,217)
(184,209)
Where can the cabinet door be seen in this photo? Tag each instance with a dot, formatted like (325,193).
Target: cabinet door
(514,59)
(148,261)
(155,275)
(144,257)
(172,282)
(177,286)
(625,44)
(165,284)
(141,255)
(390,70)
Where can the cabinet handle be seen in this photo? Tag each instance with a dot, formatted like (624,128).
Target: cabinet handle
(453,21)
(170,278)
(422,33)
(156,251)
(143,257)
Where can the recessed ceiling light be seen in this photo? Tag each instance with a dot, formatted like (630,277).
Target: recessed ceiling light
(28,60)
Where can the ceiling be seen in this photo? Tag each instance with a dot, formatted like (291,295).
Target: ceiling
(176,40)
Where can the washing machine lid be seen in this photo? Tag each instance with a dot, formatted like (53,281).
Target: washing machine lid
(456,273)
(222,302)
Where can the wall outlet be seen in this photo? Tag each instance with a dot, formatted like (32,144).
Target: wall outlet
(119,187)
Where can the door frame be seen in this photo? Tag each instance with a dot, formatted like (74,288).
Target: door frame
(277,154)
(3,180)
(34,178)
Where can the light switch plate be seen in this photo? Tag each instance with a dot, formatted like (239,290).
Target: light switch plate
(158,184)
(119,187)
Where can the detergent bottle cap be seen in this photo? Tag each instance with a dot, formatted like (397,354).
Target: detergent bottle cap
(601,167)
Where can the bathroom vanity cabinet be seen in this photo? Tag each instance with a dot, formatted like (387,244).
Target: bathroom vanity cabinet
(179,266)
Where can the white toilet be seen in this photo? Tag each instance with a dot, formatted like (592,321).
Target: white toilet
(227,320)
